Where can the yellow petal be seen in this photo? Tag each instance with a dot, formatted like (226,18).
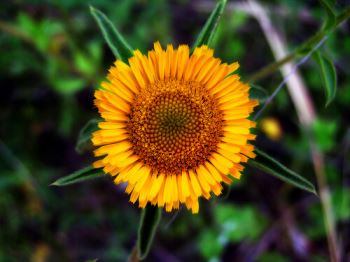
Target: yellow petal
(161,196)
(135,173)
(134,196)
(167,189)
(111,125)
(218,76)
(113,148)
(234,139)
(127,79)
(202,61)
(194,182)
(234,157)
(156,185)
(145,174)
(125,162)
(213,171)
(220,165)
(169,61)
(206,175)
(224,161)
(180,190)
(146,65)
(185,185)
(208,70)
(117,89)
(229,148)
(145,193)
(229,84)
(119,116)
(236,130)
(183,53)
(173,69)
(136,70)
(195,207)
(203,183)
(174,188)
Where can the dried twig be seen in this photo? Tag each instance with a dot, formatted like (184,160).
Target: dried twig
(306,114)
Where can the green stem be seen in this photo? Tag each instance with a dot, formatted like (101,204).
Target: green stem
(326,203)
(308,44)
(271,68)
(149,221)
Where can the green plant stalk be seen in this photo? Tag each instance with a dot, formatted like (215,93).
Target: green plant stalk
(307,108)
(149,221)
(81,175)
(325,197)
(116,42)
(271,166)
(308,44)
(207,33)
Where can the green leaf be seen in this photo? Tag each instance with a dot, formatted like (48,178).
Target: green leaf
(84,137)
(114,39)
(149,221)
(206,34)
(271,166)
(67,85)
(329,76)
(235,223)
(257,92)
(330,20)
(239,222)
(81,175)
(208,244)
(84,63)
(324,131)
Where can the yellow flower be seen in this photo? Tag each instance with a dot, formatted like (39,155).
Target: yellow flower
(272,128)
(175,126)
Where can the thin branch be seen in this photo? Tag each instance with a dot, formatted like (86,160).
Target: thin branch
(286,78)
(305,110)
(273,67)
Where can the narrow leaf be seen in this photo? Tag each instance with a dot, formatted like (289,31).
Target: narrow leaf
(149,221)
(330,20)
(257,92)
(271,166)
(114,39)
(206,34)
(84,137)
(328,74)
(81,175)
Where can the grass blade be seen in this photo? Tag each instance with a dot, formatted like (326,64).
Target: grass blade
(114,39)
(149,221)
(84,137)
(329,76)
(330,20)
(81,175)
(271,166)
(206,34)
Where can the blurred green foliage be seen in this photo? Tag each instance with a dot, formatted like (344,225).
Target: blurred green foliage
(233,224)
(53,56)
(324,133)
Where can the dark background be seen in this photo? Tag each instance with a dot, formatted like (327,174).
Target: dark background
(52,58)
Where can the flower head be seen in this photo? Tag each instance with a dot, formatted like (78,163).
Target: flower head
(175,126)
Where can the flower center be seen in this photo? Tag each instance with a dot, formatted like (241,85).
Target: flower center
(174,126)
